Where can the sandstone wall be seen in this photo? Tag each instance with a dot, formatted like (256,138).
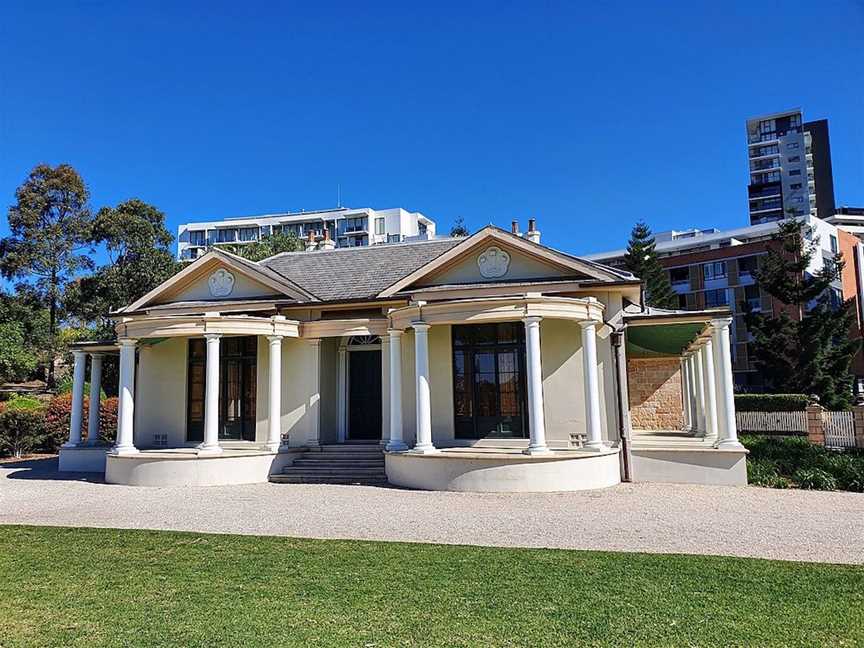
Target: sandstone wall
(655,393)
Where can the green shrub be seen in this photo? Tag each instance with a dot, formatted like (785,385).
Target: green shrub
(847,469)
(764,473)
(814,479)
(21,431)
(23,403)
(774,461)
(771,402)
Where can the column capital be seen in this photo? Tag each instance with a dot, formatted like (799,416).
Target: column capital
(313,341)
(212,336)
(395,332)
(79,353)
(96,354)
(720,323)
(420,326)
(532,319)
(588,323)
(127,342)
(274,339)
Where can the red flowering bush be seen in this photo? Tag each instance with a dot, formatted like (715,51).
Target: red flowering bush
(58,417)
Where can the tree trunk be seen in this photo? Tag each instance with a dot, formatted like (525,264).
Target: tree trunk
(52,328)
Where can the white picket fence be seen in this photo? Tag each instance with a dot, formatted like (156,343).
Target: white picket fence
(772,421)
(839,428)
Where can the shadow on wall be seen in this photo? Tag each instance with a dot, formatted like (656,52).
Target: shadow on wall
(47,470)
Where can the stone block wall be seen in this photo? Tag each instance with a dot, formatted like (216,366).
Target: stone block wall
(655,393)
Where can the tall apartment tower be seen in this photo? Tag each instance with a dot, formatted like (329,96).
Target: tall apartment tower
(790,167)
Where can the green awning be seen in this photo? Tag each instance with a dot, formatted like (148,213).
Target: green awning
(662,340)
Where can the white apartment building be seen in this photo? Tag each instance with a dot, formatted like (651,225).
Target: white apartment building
(790,167)
(346,226)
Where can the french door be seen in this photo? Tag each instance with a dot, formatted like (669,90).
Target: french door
(238,370)
(489,381)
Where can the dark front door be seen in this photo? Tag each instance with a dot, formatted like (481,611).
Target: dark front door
(489,381)
(238,369)
(364,395)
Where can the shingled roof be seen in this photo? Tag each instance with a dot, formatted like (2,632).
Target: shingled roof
(356,272)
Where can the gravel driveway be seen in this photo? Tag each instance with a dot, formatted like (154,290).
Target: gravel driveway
(661,518)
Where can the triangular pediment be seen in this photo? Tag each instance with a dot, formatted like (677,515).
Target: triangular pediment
(221,276)
(494,255)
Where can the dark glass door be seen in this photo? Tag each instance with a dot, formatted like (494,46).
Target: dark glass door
(364,395)
(238,368)
(489,381)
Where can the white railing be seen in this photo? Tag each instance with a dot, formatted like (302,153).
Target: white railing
(839,428)
(771,421)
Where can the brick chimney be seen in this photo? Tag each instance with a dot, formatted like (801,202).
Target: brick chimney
(514,227)
(533,234)
(327,243)
(311,245)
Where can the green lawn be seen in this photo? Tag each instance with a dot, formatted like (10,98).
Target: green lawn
(93,587)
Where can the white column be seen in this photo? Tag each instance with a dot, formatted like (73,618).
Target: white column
(691,375)
(685,391)
(125,443)
(274,415)
(211,397)
(315,396)
(699,375)
(592,385)
(77,414)
(423,444)
(727,430)
(396,442)
(95,393)
(710,390)
(342,394)
(536,415)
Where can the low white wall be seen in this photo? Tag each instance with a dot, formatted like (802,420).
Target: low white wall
(503,475)
(154,470)
(690,466)
(83,459)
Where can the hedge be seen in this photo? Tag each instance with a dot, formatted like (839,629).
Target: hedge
(771,402)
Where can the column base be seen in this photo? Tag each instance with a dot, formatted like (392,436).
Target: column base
(120,451)
(595,446)
(729,444)
(96,443)
(396,446)
(536,450)
(425,449)
(69,444)
(273,447)
(206,451)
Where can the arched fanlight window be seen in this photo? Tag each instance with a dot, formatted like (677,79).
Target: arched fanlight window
(363,340)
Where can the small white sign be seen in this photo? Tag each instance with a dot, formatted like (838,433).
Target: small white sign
(493,263)
(221,283)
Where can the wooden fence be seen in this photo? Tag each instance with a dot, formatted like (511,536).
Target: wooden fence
(790,422)
(839,429)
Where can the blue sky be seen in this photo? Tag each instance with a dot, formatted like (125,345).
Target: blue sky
(586,117)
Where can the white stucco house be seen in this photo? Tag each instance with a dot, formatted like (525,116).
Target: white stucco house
(486,363)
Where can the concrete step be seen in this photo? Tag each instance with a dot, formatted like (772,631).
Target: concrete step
(358,447)
(310,479)
(346,456)
(341,463)
(331,470)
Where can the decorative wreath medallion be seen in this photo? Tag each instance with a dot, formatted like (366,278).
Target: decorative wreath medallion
(493,262)
(221,283)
